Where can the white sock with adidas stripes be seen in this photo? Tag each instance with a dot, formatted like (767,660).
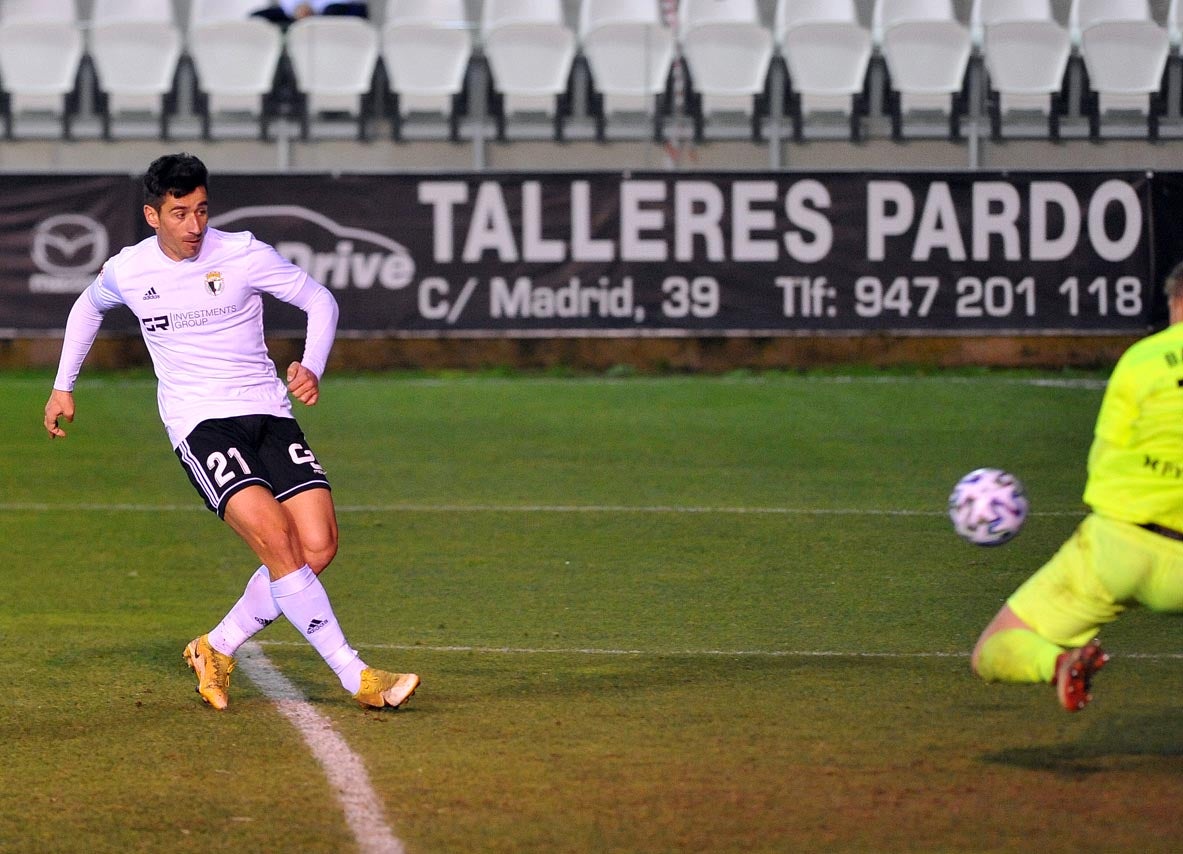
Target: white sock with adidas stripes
(305,603)
(253,612)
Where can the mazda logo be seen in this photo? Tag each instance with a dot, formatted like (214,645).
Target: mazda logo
(69,244)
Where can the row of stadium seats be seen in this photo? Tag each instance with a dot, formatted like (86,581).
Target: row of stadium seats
(1026,53)
(651,58)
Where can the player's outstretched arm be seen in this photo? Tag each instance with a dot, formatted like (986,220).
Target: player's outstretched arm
(303,384)
(59,406)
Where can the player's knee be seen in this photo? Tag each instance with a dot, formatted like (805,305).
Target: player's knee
(274,545)
(977,665)
(320,554)
(974,659)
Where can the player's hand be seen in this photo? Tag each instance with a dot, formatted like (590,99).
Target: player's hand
(303,384)
(60,405)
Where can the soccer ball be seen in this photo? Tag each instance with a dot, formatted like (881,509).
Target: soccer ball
(988,506)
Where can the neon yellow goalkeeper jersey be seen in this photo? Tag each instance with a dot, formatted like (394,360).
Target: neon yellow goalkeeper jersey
(1136,460)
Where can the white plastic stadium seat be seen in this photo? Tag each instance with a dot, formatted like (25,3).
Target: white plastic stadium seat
(826,52)
(135,46)
(1125,61)
(1085,13)
(926,50)
(629,52)
(728,52)
(41,49)
(204,12)
(333,60)
(235,63)
(62,11)
(530,50)
(1026,61)
(426,49)
(887,12)
(795,13)
(987,12)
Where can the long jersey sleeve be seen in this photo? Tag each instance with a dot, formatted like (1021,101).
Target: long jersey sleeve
(316,301)
(82,327)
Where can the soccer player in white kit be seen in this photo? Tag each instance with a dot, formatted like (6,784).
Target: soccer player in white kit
(197,293)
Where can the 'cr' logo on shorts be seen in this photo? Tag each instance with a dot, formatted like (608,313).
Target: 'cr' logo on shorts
(155,324)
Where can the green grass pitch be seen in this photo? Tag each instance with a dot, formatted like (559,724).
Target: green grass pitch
(651,614)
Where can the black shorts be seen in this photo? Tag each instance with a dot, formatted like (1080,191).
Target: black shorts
(223,455)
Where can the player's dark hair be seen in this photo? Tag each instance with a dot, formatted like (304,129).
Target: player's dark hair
(1173,286)
(173,175)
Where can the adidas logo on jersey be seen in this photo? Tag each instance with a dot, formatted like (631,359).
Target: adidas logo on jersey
(151,294)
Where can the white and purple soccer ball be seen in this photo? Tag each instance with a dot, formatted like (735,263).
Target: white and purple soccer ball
(988,506)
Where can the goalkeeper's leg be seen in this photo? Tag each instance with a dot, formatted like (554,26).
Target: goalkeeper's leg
(1009,650)
(1061,606)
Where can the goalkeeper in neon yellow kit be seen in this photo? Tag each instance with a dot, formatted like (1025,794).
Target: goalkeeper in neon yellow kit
(1128,551)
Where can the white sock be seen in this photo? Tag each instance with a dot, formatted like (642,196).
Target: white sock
(252,613)
(303,600)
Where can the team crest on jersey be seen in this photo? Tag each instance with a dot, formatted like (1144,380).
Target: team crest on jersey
(214,282)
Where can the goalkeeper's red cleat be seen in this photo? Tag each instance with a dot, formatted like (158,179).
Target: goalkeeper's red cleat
(1074,674)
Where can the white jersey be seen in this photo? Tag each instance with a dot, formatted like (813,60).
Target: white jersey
(202,319)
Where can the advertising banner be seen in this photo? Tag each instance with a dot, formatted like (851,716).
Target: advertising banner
(581,254)
(55,234)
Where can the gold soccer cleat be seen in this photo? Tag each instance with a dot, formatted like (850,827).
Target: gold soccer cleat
(379,688)
(213,671)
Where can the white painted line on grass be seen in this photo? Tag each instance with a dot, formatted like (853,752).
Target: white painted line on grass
(771,379)
(344,769)
(685,653)
(37,507)
(655,509)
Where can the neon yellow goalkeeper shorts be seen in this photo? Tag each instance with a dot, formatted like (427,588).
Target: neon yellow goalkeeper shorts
(1103,568)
